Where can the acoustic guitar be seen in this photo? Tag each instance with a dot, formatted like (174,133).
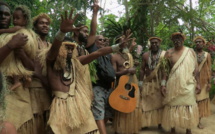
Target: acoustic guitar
(123,98)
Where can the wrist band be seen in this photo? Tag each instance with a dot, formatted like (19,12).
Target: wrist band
(60,35)
(163,83)
(140,83)
(115,48)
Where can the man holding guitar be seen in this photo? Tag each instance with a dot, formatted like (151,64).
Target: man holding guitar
(126,121)
(150,78)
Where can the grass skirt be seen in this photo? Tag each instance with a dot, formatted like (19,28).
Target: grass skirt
(70,115)
(152,118)
(127,123)
(204,108)
(180,116)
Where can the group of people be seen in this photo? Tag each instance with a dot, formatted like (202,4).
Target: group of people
(47,88)
(177,81)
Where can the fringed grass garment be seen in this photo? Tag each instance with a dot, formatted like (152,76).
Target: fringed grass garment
(70,112)
(204,108)
(11,65)
(129,123)
(205,78)
(180,103)
(151,98)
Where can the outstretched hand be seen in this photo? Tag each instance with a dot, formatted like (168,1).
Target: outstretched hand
(133,42)
(126,38)
(67,22)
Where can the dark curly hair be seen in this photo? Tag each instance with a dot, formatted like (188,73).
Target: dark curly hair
(4,3)
(26,13)
(41,15)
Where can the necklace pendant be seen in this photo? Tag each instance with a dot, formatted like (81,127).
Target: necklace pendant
(126,64)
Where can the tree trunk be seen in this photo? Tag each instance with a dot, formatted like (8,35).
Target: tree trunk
(151,22)
(191,21)
(102,15)
(126,10)
(85,12)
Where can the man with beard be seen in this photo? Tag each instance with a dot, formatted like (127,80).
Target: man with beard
(123,64)
(180,108)
(150,80)
(204,62)
(17,102)
(40,99)
(83,38)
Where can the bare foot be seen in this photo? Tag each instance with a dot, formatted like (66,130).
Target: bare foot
(172,131)
(160,126)
(188,131)
(145,128)
(15,85)
(200,126)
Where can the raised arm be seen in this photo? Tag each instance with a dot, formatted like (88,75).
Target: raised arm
(65,26)
(85,59)
(133,44)
(93,26)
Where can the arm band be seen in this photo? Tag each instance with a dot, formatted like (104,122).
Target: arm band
(163,83)
(115,48)
(140,83)
(60,35)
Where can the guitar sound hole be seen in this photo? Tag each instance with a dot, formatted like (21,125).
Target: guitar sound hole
(132,92)
(127,86)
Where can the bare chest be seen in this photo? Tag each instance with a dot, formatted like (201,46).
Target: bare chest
(59,81)
(174,56)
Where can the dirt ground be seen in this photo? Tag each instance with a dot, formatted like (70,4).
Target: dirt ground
(209,127)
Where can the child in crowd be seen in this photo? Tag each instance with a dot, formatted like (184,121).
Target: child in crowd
(21,20)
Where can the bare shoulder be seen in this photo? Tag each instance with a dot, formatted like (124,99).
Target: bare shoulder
(168,52)
(145,56)
(114,55)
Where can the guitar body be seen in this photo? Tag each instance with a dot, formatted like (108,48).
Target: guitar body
(123,98)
